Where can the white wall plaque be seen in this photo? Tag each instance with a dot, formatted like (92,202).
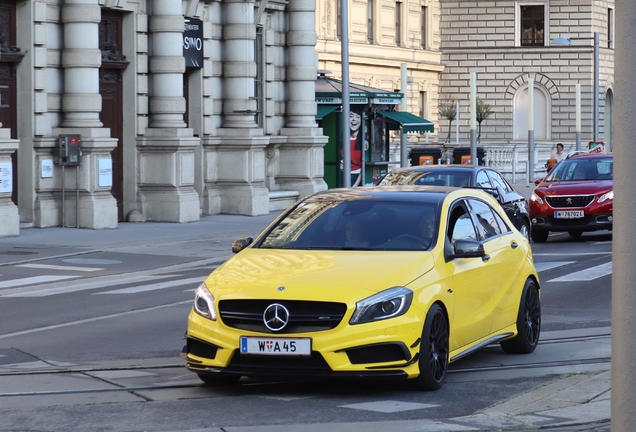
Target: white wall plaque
(46,168)
(6,177)
(105,167)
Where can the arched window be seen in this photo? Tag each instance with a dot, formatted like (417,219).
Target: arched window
(542,109)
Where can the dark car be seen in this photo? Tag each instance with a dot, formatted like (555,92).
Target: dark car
(576,196)
(515,204)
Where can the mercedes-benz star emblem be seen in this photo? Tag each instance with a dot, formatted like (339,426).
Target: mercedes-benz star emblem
(276,317)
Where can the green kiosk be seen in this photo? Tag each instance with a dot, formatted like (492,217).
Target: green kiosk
(372,117)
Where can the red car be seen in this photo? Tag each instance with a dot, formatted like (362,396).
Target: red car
(576,196)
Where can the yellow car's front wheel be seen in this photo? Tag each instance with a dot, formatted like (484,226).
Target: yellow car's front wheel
(433,361)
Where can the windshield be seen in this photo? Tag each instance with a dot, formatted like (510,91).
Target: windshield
(427,178)
(356,225)
(579,169)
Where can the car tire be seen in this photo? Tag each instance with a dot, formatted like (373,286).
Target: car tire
(433,360)
(219,380)
(528,322)
(575,233)
(539,236)
(524,228)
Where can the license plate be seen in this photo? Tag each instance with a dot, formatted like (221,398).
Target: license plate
(569,214)
(276,346)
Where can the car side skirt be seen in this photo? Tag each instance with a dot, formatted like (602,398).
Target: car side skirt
(480,345)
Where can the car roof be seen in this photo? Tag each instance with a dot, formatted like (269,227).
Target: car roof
(445,167)
(402,193)
(587,155)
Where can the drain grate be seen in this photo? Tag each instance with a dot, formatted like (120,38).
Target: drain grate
(18,253)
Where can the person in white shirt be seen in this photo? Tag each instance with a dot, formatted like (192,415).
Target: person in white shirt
(559,155)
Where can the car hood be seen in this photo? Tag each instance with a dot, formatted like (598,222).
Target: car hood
(315,275)
(588,187)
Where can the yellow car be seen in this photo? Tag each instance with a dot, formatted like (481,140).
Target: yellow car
(392,282)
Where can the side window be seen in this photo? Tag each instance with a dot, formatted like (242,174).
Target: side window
(482,180)
(498,180)
(460,226)
(485,222)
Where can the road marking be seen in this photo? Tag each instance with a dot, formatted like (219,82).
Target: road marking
(59,267)
(89,320)
(389,406)
(33,280)
(83,286)
(587,274)
(548,265)
(152,287)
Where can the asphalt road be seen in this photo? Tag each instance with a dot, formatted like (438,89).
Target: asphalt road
(97,347)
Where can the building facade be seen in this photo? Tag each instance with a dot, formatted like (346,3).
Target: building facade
(178,108)
(383,35)
(505,42)
(509,42)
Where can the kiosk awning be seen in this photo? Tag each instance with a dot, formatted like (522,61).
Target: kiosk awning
(324,110)
(409,122)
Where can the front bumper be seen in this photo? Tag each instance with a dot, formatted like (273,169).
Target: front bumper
(383,349)
(591,222)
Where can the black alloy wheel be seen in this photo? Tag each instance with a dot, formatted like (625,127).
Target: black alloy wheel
(539,235)
(528,322)
(524,228)
(433,361)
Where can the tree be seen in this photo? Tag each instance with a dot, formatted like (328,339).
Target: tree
(448,110)
(482,111)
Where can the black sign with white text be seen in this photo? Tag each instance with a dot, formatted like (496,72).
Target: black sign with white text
(193,42)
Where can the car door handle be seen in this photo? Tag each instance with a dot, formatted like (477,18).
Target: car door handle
(514,245)
(485,258)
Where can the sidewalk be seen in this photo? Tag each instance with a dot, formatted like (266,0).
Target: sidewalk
(578,399)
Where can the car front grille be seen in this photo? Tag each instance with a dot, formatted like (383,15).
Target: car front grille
(567,201)
(304,316)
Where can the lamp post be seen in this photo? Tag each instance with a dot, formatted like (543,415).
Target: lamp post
(568,41)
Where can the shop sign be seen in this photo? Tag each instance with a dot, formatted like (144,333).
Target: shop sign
(193,42)
(385,101)
(328,100)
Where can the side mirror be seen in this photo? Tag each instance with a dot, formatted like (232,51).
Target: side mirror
(537,181)
(467,249)
(241,243)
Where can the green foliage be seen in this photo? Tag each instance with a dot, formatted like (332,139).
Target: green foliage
(482,112)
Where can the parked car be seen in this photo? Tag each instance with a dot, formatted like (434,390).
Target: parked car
(391,282)
(514,203)
(576,196)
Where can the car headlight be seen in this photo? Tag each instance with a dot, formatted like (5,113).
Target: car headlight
(606,197)
(536,198)
(386,304)
(204,302)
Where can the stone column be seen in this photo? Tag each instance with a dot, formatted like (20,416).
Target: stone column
(9,215)
(302,158)
(239,68)
(81,104)
(239,149)
(166,152)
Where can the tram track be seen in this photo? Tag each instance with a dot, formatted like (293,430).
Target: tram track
(93,372)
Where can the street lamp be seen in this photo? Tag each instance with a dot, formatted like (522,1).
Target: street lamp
(568,41)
